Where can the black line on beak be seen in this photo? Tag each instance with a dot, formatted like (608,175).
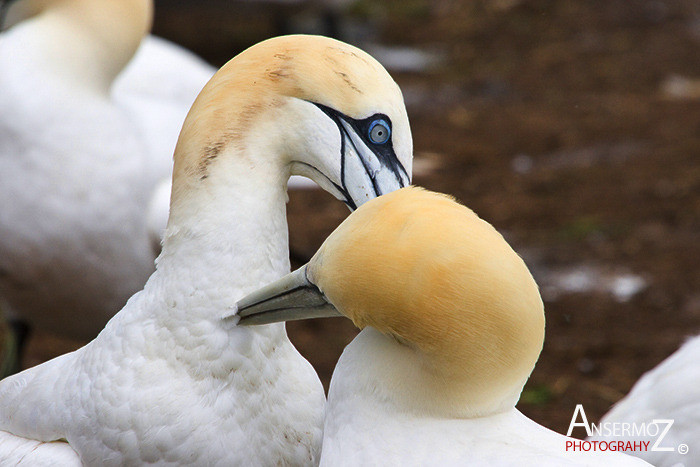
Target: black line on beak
(385,152)
(371,176)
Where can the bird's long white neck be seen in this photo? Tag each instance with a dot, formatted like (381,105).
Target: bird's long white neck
(87,42)
(227,233)
(226,236)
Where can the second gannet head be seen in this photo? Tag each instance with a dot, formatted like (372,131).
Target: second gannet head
(459,309)
(297,105)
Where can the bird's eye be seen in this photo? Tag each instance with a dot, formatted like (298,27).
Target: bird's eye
(379,131)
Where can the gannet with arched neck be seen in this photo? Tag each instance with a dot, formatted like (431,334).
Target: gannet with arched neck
(168,380)
(452,325)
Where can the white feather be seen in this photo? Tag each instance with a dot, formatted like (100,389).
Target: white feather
(363,429)
(671,391)
(20,452)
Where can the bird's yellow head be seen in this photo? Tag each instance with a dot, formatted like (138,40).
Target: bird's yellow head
(307,105)
(442,283)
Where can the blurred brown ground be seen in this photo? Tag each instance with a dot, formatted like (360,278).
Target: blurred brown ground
(573,127)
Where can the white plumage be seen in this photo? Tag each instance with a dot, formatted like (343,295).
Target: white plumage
(76,174)
(81,155)
(86,157)
(671,391)
(167,380)
(20,452)
(363,429)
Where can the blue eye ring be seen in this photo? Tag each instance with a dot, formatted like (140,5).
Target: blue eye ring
(379,131)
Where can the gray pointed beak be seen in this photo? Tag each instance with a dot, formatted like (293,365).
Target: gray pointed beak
(290,298)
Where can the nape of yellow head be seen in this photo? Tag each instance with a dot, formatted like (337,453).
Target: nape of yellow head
(426,270)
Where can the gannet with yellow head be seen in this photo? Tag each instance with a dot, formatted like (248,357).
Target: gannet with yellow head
(168,380)
(452,325)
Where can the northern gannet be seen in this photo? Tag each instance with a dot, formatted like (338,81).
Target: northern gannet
(452,325)
(168,380)
(90,117)
(77,170)
(670,392)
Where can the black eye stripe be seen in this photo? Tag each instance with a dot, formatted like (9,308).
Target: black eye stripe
(361,127)
(364,126)
(384,152)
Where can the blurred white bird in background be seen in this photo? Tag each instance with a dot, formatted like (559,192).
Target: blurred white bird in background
(452,325)
(77,170)
(669,392)
(91,110)
(168,380)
